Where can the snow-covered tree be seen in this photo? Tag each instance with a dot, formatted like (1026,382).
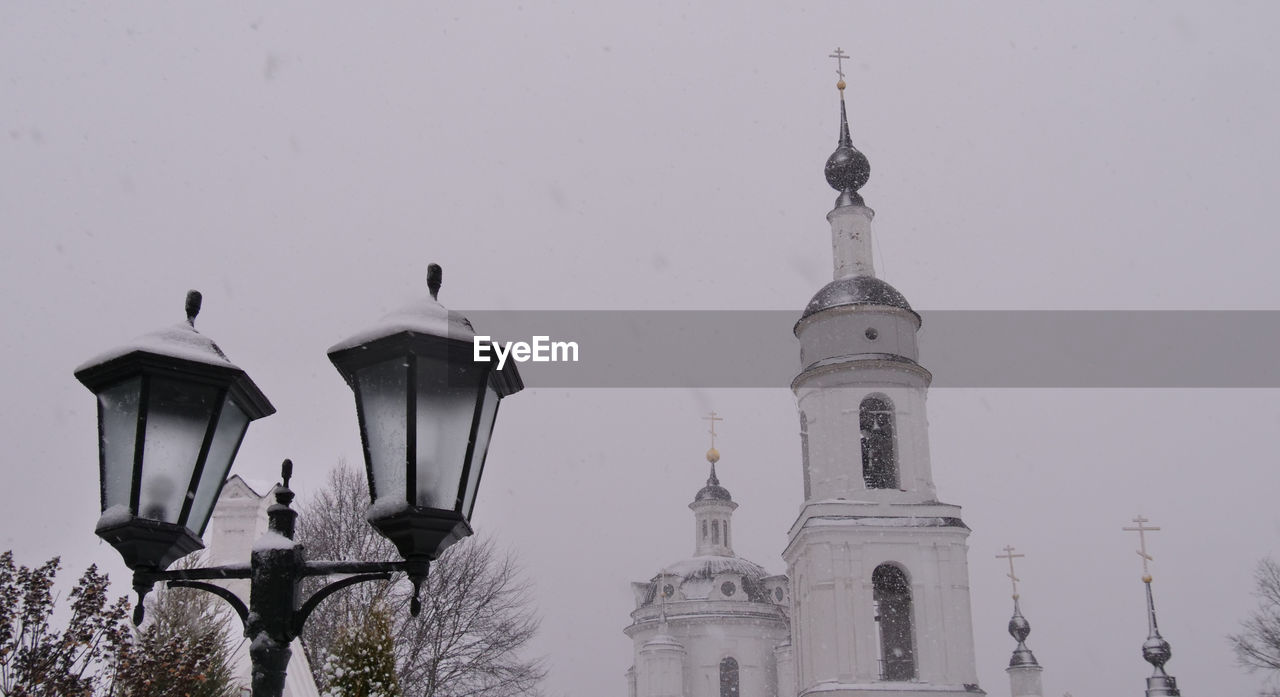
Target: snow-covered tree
(477,617)
(1257,645)
(362,662)
(37,660)
(181,652)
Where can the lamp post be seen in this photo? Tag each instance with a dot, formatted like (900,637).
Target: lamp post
(172,411)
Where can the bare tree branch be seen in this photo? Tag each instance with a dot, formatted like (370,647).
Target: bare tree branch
(1257,645)
(477,615)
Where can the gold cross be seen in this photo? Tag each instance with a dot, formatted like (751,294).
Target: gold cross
(713,419)
(1008,554)
(839,55)
(1142,531)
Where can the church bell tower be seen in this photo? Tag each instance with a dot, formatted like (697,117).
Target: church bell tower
(878,566)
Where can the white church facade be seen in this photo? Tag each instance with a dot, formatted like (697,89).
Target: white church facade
(875,601)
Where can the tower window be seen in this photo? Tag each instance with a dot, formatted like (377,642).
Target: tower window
(726,533)
(879,459)
(892,596)
(729,677)
(704,529)
(715,532)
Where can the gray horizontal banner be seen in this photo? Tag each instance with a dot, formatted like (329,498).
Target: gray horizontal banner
(1045,349)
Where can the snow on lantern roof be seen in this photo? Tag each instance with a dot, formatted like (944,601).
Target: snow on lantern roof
(180,341)
(422,316)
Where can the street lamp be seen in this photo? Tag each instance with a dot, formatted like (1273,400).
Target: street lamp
(426,409)
(172,411)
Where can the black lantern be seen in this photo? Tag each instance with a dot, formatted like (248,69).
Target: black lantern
(172,410)
(426,409)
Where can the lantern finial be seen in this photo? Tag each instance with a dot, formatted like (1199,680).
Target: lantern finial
(193,306)
(435,275)
(286,471)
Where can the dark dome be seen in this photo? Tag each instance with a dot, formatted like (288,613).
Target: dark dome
(712,491)
(856,290)
(847,169)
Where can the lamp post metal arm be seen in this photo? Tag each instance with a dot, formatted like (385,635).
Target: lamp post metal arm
(301,615)
(326,568)
(242,611)
(202,574)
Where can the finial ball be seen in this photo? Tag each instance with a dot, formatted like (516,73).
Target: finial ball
(840,85)
(1146,578)
(713,456)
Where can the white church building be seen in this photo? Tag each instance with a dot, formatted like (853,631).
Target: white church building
(875,601)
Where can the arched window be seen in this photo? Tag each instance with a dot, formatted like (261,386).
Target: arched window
(715,532)
(879,459)
(704,529)
(729,677)
(893,612)
(726,533)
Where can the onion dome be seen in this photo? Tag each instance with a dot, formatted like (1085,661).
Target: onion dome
(1020,629)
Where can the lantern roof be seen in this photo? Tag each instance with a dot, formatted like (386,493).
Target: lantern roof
(423,315)
(179,342)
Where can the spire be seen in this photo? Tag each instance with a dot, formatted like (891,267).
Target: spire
(1024,669)
(712,508)
(1019,627)
(847,169)
(713,490)
(1155,650)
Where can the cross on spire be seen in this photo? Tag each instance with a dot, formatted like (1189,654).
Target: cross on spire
(839,55)
(713,419)
(1142,531)
(1008,554)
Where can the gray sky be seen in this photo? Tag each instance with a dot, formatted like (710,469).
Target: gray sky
(302,165)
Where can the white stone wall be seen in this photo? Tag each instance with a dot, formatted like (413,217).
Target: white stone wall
(830,404)
(1024,681)
(707,640)
(660,671)
(851,241)
(784,658)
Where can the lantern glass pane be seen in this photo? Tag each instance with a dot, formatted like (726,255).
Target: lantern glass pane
(488,412)
(231,426)
(118,414)
(178,416)
(446,405)
(381,390)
